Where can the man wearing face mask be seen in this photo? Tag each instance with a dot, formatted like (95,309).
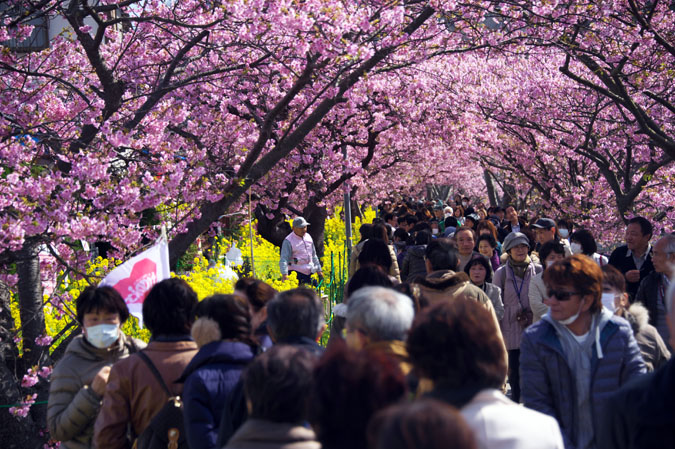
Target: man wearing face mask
(578,354)
(615,299)
(545,231)
(80,377)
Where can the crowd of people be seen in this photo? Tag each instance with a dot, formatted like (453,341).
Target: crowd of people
(462,326)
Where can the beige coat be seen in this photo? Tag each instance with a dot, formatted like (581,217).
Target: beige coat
(73,406)
(133,396)
(537,293)
(444,285)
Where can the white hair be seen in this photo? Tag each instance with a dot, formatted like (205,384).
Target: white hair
(384,314)
(669,243)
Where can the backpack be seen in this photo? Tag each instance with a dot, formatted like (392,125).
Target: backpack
(166,429)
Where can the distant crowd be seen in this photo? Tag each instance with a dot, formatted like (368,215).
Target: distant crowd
(462,326)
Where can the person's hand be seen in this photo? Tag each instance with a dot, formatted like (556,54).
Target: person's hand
(284,277)
(100,380)
(320,273)
(633,276)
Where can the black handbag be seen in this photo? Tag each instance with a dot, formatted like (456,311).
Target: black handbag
(166,429)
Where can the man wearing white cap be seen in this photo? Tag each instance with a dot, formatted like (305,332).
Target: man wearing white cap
(298,253)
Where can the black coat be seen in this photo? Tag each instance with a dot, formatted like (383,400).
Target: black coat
(625,263)
(648,294)
(642,414)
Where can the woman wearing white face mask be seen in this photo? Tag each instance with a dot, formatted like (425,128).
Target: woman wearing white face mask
(550,252)
(79,378)
(614,297)
(578,355)
(583,242)
(564,228)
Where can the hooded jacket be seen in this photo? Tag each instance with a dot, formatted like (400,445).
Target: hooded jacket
(413,263)
(444,285)
(209,379)
(654,351)
(548,383)
(73,405)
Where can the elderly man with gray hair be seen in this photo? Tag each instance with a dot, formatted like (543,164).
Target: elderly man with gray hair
(378,319)
(642,413)
(652,289)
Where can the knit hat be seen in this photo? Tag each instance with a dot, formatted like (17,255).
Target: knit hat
(514,239)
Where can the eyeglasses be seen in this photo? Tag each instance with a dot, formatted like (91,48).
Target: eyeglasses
(561,295)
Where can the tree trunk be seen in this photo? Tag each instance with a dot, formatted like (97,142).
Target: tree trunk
(15,432)
(438,192)
(273,230)
(30,303)
(509,198)
(490,186)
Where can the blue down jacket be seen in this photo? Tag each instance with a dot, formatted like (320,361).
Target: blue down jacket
(547,382)
(209,379)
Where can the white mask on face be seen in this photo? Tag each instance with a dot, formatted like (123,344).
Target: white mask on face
(576,248)
(573,318)
(103,335)
(549,263)
(564,233)
(608,301)
(434,231)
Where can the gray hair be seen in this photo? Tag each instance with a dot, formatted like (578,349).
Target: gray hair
(669,243)
(384,314)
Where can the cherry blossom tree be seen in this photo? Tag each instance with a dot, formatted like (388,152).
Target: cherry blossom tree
(168,110)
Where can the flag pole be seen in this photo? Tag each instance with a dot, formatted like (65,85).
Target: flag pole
(250,231)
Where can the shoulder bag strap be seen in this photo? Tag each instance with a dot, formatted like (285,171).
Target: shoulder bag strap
(155,372)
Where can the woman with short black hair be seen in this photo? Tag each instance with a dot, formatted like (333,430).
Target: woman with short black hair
(583,242)
(480,275)
(80,377)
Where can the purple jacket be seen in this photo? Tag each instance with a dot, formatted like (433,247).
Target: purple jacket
(209,379)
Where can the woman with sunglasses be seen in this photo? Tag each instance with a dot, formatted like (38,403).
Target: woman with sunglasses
(578,354)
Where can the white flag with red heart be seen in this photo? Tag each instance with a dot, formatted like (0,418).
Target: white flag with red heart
(134,278)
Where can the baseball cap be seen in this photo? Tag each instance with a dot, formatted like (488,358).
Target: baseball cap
(544,223)
(300,222)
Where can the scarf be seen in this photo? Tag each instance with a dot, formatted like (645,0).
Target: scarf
(519,268)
